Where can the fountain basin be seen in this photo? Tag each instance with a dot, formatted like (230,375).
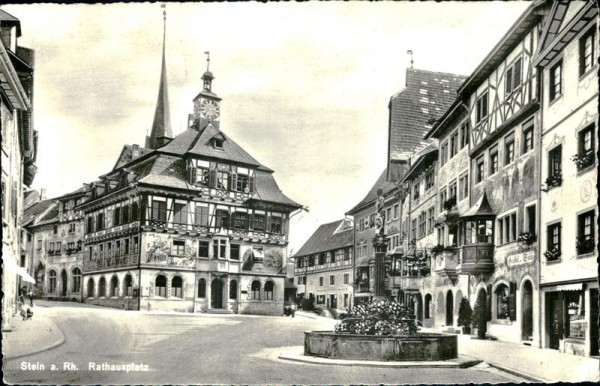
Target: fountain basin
(419,347)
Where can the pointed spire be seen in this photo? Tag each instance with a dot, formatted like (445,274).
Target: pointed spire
(161,127)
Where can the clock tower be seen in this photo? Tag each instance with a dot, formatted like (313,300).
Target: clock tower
(207,107)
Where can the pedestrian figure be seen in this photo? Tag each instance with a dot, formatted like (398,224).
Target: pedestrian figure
(31,298)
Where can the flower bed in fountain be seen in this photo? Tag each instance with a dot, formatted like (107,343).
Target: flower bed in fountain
(380,331)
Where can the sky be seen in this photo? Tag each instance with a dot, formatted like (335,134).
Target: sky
(305,86)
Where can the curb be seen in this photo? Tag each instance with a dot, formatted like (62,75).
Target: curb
(50,346)
(519,374)
(450,364)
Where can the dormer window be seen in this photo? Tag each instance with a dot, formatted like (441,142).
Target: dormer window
(218,143)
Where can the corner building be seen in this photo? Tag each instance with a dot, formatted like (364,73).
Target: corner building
(193,223)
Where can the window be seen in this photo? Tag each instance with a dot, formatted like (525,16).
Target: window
(478,231)
(233,289)
(276,225)
(481,108)
(117,216)
(321,281)
(554,167)
(240,220)
(453,144)
(76,280)
(508,228)
(128,285)
(72,228)
(55,229)
(136,244)
(452,191)
(464,134)
(52,281)
(530,217)
(219,248)
(135,213)
(202,172)
(242,180)
(126,246)
(463,183)
(178,247)
(502,302)
(114,287)
(259,223)
(479,171)
(430,219)
(201,215)
(221,218)
(160,286)
(528,137)
(586,155)
(494,160)
(513,77)
(234,251)
(415,190)
(90,225)
(444,153)
(347,254)
(556,81)
(179,214)
(99,221)
(509,149)
(396,208)
(158,211)
(553,247)
(125,214)
(586,241)
(422,223)
(202,288)
(429,182)
(321,259)
(443,198)
(102,287)
(255,289)
(331,279)
(587,51)
(346,278)
(177,287)
(222,180)
(388,214)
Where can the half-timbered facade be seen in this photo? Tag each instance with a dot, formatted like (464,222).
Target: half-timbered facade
(195,224)
(567,58)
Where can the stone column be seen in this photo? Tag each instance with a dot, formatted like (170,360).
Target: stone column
(208,291)
(380,243)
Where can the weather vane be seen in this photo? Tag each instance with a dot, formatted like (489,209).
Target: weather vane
(411,57)
(207,53)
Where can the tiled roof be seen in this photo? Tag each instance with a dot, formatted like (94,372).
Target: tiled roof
(372,195)
(35,210)
(413,110)
(167,171)
(268,190)
(231,151)
(50,217)
(324,239)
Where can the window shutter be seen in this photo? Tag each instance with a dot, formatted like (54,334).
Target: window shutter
(512,301)
(268,223)
(489,302)
(212,178)
(193,175)
(234,181)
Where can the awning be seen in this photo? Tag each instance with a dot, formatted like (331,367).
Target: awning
(565,287)
(11,265)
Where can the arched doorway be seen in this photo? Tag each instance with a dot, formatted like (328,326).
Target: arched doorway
(216,293)
(63,283)
(449,309)
(419,307)
(527,311)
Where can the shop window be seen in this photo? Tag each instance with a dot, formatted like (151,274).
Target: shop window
(255,288)
(160,286)
(177,287)
(202,288)
(269,290)
(576,323)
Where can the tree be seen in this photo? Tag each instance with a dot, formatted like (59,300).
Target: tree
(465,314)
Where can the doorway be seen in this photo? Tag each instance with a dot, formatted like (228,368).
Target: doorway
(554,318)
(594,321)
(216,293)
(63,283)
(527,312)
(449,309)
(333,301)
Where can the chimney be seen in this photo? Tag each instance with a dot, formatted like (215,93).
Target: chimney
(135,152)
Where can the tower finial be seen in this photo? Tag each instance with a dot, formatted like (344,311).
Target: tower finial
(207,53)
(411,58)
(164,7)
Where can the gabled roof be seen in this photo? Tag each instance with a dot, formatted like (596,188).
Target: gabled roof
(381,183)
(268,190)
(36,210)
(8,19)
(414,110)
(325,239)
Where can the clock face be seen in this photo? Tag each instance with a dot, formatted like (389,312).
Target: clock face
(209,109)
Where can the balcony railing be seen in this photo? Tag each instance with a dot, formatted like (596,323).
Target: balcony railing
(476,258)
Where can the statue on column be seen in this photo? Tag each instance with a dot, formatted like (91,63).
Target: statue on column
(380,243)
